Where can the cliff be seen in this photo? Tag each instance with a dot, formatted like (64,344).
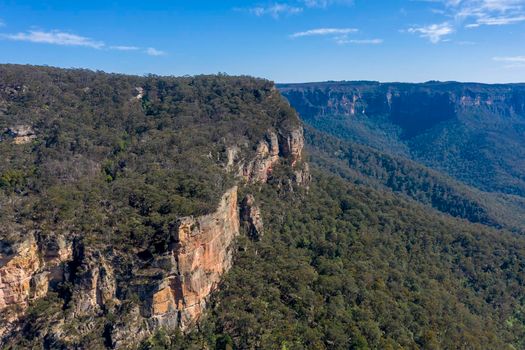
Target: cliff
(463,129)
(285,145)
(200,253)
(135,182)
(35,265)
(173,289)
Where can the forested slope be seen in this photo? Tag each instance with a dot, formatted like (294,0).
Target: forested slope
(472,132)
(363,164)
(181,213)
(345,266)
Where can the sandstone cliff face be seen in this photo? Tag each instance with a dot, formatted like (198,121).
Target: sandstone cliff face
(27,275)
(292,144)
(251,217)
(16,274)
(266,156)
(94,282)
(282,145)
(200,254)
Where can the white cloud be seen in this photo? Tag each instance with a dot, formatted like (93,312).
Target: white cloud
(471,14)
(510,59)
(55,37)
(154,52)
(499,21)
(360,41)
(292,7)
(476,13)
(511,62)
(124,48)
(338,35)
(326,3)
(433,32)
(2,23)
(324,31)
(275,10)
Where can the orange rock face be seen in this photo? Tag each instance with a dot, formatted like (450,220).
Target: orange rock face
(292,145)
(200,256)
(266,156)
(288,144)
(163,302)
(26,275)
(16,274)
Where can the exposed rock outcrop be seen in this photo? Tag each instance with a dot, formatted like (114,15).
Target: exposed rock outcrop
(140,93)
(266,156)
(27,274)
(21,134)
(94,282)
(251,217)
(199,255)
(282,145)
(292,144)
(16,274)
(302,175)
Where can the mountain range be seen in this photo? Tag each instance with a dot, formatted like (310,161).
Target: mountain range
(219,212)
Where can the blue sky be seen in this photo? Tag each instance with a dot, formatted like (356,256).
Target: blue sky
(285,40)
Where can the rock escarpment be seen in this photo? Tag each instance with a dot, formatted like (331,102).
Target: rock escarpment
(158,150)
(26,275)
(462,129)
(174,287)
(174,290)
(279,145)
(251,217)
(200,253)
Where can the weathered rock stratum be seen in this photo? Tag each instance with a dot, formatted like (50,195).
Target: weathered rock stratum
(199,255)
(27,274)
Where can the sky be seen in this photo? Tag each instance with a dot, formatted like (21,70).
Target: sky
(284,40)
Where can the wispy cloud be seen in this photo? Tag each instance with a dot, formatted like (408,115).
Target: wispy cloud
(292,7)
(496,21)
(338,35)
(326,3)
(324,31)
(2,23)
(124,48)
(476,13)
(154,52)
(275,10)
(434,32)
(61,38)
(360,41)
(55,37)
(510,59)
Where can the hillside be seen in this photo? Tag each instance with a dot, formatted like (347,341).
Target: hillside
(363,164)
(196,213)
(472,132)
(119,197)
